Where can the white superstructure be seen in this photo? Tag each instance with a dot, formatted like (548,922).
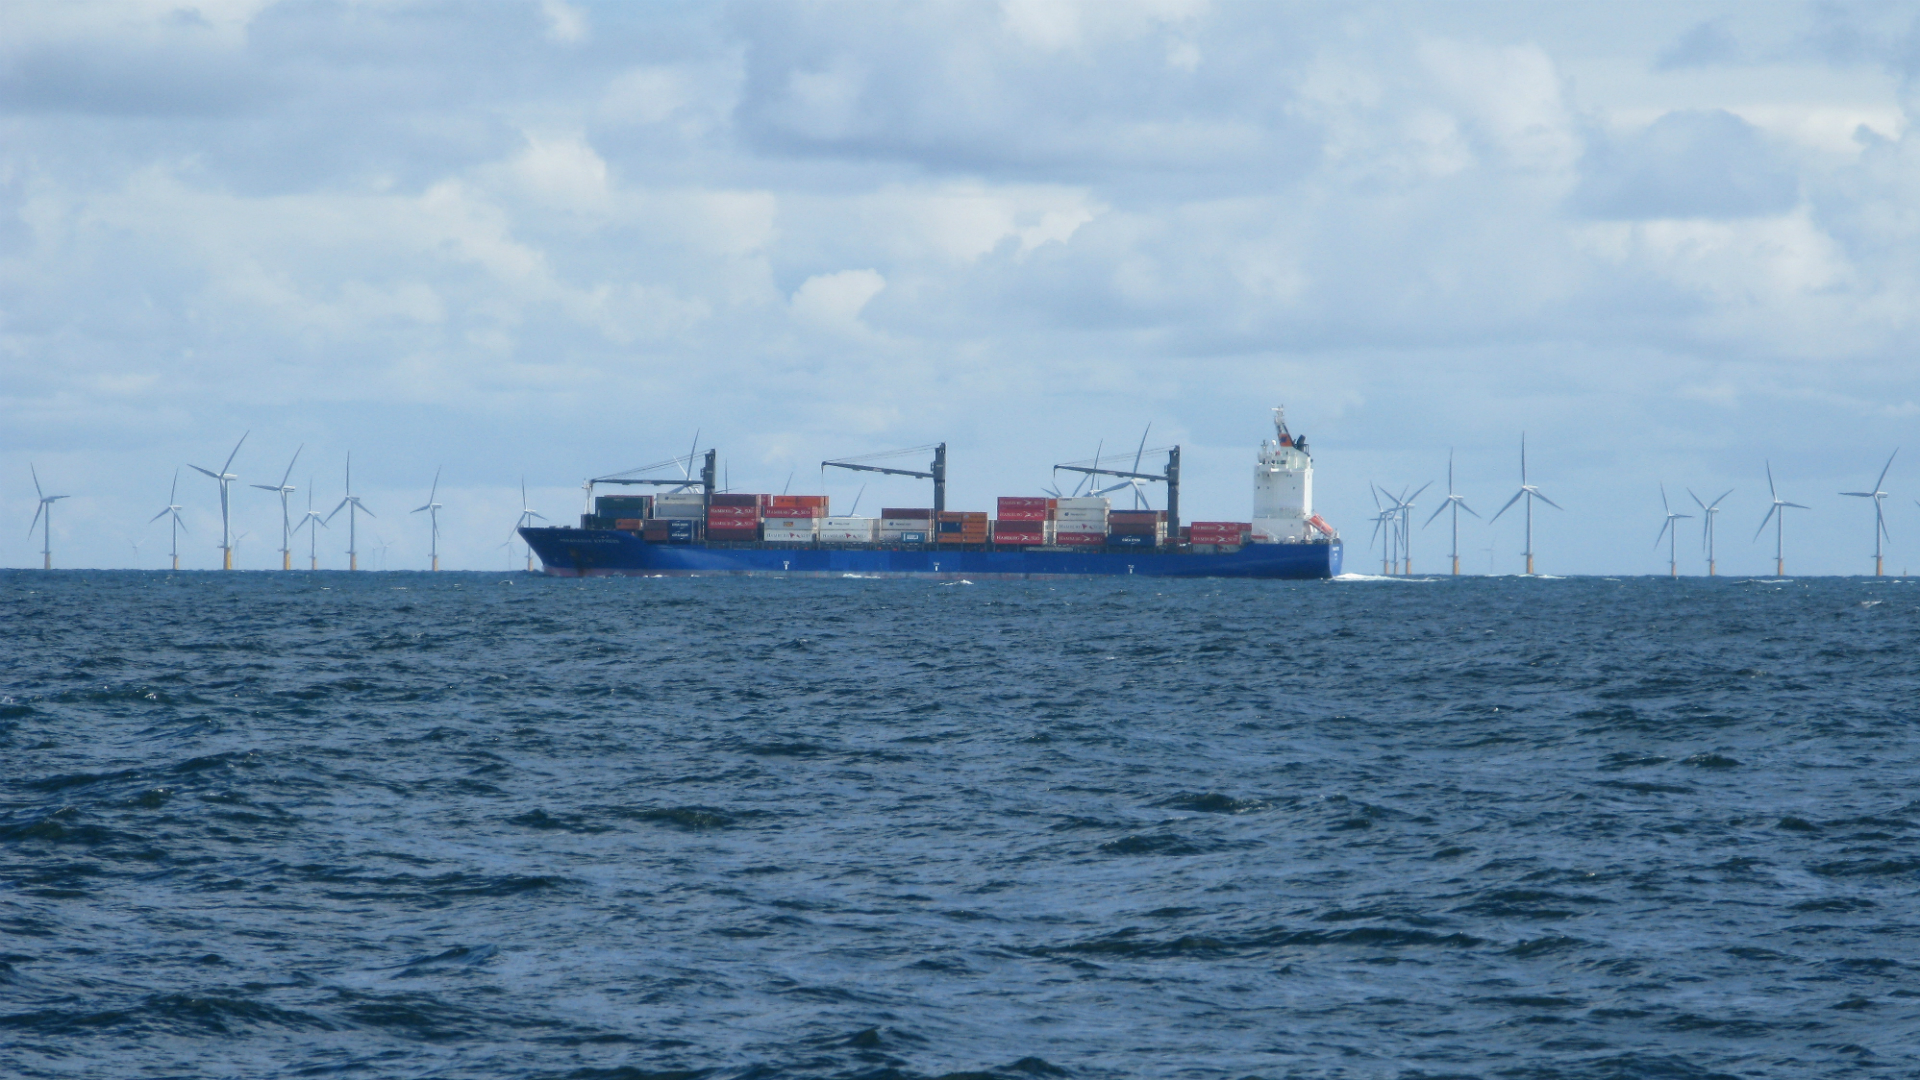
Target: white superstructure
(1283,489)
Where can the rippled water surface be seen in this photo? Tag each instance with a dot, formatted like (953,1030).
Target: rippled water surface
(464,825)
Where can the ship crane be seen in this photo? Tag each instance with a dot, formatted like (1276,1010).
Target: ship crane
(1171,478)
(936,472)
(709,474)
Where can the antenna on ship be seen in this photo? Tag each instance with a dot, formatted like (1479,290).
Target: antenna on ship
(173,510)
(1710,511)
(45,509)
(1456,503)
(1879,518)
(312,521)
(353,506)
(1777,514)
(1670,532)
(286,525)
(1531,493)
(433,516)
(224,478)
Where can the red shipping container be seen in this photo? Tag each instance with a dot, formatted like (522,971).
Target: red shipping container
(1014,513)
(806,503)
(629,524)
(1080,539)
(747,513)
(732,532)
(907,513)
(1135,517)
(1132,528)
(1017,525)
(1019,539)
(1008,502)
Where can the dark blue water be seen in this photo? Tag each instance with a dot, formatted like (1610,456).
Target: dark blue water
(468,825)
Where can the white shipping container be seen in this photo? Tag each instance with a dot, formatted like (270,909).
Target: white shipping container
(906,524)
(897,536)
(789,537)
(1096,502)
(849,530)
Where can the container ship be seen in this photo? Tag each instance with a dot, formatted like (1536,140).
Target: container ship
(698,530)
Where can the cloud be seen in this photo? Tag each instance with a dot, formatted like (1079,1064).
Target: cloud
(834,301)
(1687,164)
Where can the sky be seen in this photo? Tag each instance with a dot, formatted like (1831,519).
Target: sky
(1670,243)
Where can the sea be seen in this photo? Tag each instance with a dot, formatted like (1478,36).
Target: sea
(505,826)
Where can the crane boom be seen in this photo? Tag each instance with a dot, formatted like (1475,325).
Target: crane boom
(937,472)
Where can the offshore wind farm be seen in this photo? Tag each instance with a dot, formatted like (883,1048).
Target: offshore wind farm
(1391,534)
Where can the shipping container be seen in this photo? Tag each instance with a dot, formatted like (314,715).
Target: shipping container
(728,499)
(1136,517)
(623,506)
(682,531)
(1096,528)
(734,533)
(1130,540)
(629,524)
(1093,502)
(1079,539)
(906,513)
(1142,528)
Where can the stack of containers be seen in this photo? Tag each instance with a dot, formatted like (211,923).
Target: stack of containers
(623,511)
(905,525)
(671,530)
(688,505)
(1023,521)
(849,530)
(1080,522)
(793,519)
(1137,528)
(961,527)
(1214,533)
(734,517)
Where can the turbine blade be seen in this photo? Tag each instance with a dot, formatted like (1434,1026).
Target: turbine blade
(1441,509)
(160,515)
(1723,495)
(37,511)
(1696,499)
(1548,501)
(1663,532)
(296,457)
(236,451)
(1796,506)
(209,472)
(1663,500)
(1509,506)
(1859,494)
(264,487)
(36,486)
(435,490)
(1775,495)
(1417,491)
(1884,468)
(337,509)
(176,485)
(1771,510)
(417,509)
(1464,506)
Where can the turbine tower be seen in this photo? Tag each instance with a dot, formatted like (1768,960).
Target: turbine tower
(1671,533)
(433,515)
(224,478)
(1530,493)
(1879,516)
(45,508)
(526,515)
(1456,503)
(172,510)
(353,506)
(286,525)
(1777,514)
(1710,510)
(312,521)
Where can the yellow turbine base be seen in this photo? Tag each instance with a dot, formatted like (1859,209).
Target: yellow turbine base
(286,560)
(436,562)
(227,559)
(1456,566)
(1529,565)
(176,562)
(353,561)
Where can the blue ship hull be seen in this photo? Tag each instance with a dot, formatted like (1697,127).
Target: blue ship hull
(603,552)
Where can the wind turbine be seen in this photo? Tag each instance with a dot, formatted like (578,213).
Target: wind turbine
(173,511)
(286,525)
(1383,518)
(1879,517)
(312,521)
(352,505)
(226,509)
(433,515)
(526,515)
(1456,503)
(46,508)
(1671,533)
(1777,514)
(1706,527)
(1138,485)
(1404,507)
(1531,493)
